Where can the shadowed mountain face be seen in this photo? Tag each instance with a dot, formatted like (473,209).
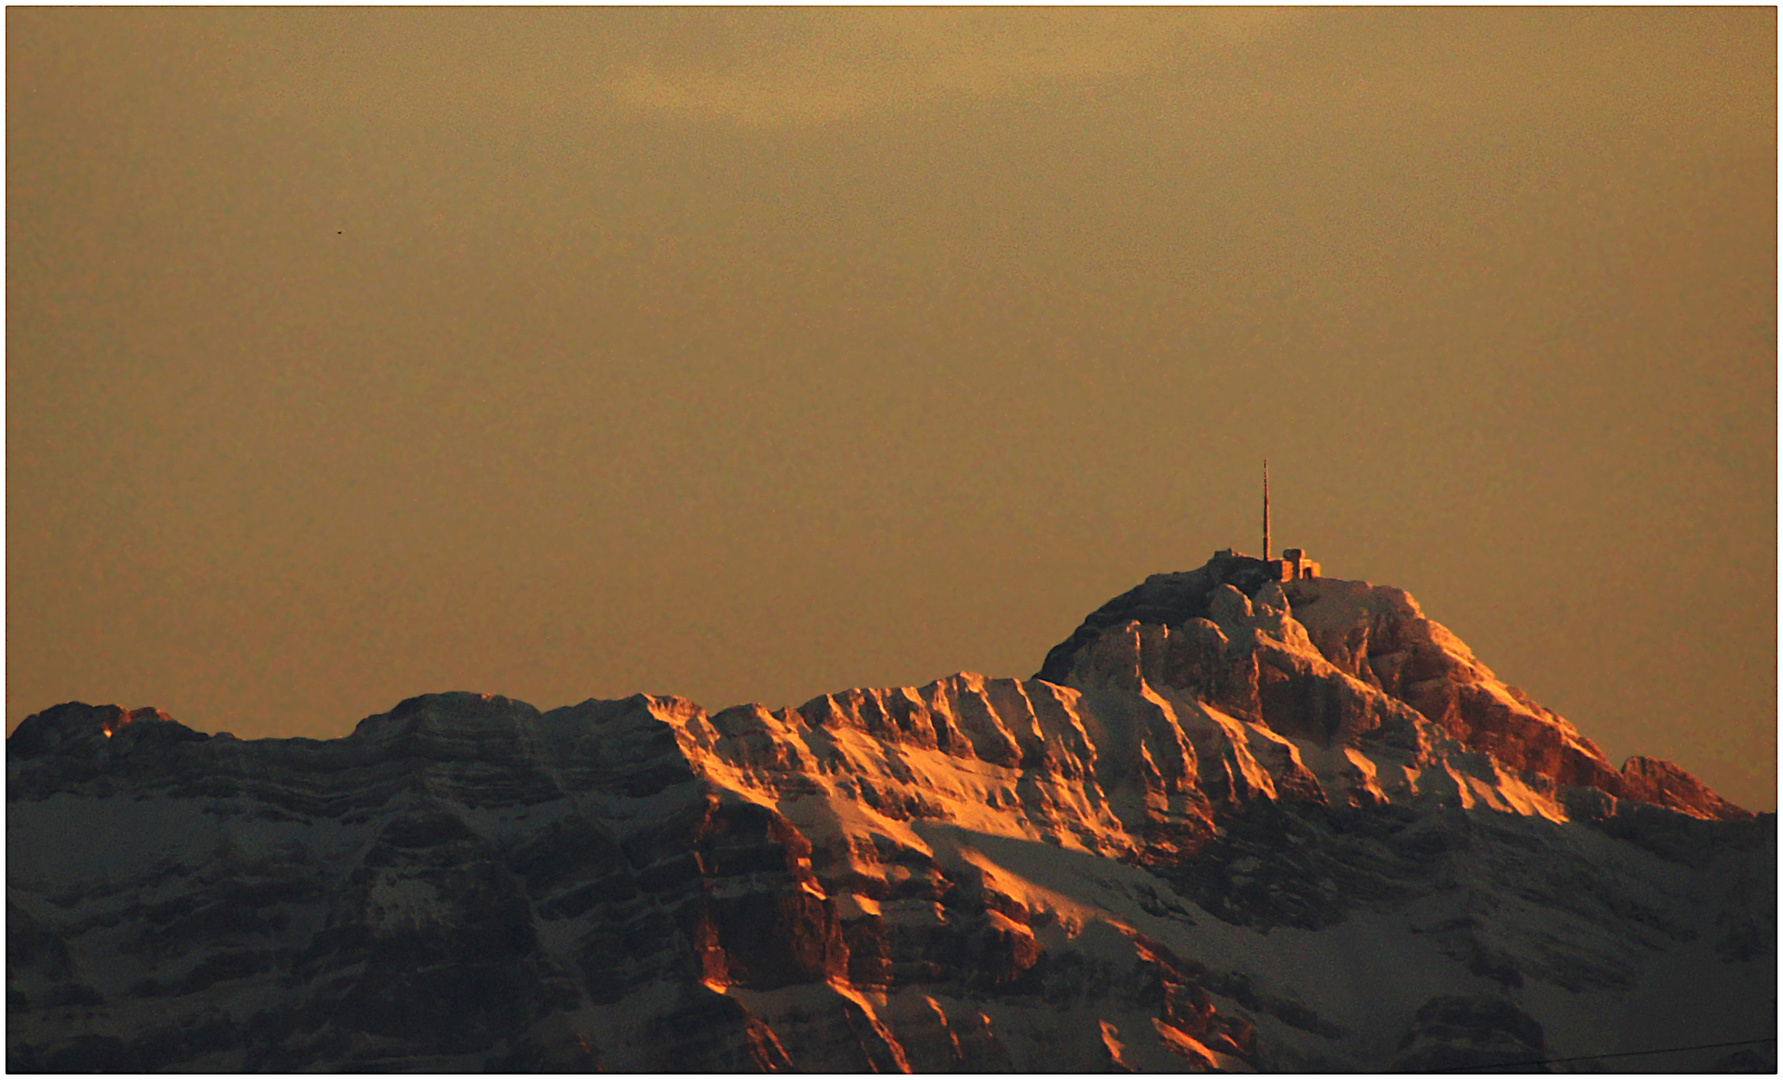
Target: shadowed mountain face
(1233,823)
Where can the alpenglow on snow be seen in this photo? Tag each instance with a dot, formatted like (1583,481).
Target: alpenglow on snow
(1245,817)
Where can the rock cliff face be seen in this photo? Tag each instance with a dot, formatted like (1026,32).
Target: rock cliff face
(1345,662)
(1232,824)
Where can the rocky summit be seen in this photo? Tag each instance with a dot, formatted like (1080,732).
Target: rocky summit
(1234,823)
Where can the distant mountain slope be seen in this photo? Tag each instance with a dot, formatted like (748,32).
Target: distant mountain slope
(1233,824)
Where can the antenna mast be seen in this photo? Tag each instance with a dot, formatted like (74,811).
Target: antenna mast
(1265,509)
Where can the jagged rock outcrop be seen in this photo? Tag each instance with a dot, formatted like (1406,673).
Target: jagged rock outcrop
(1337,661)
(1234,824)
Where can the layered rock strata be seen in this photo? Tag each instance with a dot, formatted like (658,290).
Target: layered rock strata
(1298,827)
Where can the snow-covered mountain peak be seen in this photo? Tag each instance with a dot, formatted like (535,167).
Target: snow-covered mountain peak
(1347,664)
(1235,822)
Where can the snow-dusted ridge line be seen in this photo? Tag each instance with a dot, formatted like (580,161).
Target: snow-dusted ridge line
(1279,826)
(1386,705)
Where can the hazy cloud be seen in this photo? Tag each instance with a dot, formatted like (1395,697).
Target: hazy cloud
(806,66)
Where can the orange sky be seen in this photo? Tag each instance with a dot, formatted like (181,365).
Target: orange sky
(754,354)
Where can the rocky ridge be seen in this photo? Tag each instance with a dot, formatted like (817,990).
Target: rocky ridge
(1232,823)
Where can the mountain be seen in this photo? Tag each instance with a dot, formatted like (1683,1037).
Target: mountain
(1235,822)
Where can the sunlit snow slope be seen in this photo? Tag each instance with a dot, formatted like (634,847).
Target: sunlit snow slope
(1232,824)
